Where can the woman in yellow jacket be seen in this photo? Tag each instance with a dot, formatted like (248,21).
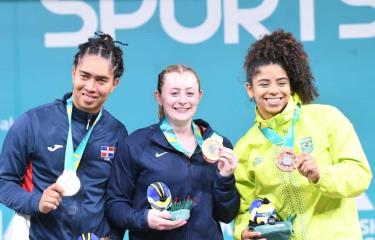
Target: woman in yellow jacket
(305,158)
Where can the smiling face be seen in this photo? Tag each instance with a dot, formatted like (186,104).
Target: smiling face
(179,97)
(93,81)
(270,89)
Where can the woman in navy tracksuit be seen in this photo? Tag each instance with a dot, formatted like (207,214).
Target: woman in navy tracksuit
(154,154)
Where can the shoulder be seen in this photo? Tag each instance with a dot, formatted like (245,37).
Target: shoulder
(142,134)
(113,122)
(208,131)
(250,137)
(322,112)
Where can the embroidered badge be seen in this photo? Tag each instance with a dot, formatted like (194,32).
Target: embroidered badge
(107,152)
(306,145)
(257,161)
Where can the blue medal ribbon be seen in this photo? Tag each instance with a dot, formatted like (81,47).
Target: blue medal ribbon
(276,139)
(171,137)
(72,158)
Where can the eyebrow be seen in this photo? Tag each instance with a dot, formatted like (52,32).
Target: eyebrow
(95,76)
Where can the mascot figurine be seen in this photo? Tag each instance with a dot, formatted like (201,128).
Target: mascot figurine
(264,219)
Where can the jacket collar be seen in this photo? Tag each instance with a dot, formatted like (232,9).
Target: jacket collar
(85,117)
(282,118)
(158,137)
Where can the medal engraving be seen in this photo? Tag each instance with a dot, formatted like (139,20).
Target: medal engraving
(210,149)
(285,161)
(69,182)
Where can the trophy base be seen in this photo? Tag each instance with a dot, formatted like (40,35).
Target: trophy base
(278,231)
(181,214)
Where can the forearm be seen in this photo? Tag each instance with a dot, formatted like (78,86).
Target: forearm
(227,199)
(16,198)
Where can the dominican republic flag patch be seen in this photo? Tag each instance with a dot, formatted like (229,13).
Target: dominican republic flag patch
(107,152)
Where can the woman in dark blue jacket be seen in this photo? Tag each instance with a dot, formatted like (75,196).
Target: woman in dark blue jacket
(170,152)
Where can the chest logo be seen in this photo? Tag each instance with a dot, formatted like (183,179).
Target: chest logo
(107,152)
(157,154)
(257,161)
(306,145)
(54,147)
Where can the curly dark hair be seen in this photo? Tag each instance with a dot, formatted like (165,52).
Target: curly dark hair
(282,48)
(103,45)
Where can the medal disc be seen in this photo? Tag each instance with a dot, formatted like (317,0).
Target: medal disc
(210,149)
(286,160)
(69,182)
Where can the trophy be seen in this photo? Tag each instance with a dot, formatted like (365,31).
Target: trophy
(264,219)
(159,196)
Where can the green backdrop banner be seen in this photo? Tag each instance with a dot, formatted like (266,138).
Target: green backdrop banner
(39,38)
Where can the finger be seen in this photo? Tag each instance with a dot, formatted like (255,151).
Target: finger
(48,206)
(53,201)
(57,188)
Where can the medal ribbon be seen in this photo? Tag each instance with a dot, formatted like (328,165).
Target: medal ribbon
(171,137)
(72,158)
(276,139)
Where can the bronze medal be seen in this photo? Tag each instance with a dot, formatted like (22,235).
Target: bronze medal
(285,160)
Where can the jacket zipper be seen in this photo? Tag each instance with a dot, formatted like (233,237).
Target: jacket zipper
(190,189)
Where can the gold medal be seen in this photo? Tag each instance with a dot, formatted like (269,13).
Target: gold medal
(69,182)
(210,149)
(286,160)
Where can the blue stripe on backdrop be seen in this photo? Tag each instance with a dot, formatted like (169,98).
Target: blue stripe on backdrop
(211,36)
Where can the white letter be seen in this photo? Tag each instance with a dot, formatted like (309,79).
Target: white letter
(69,39)
(190,35)
(110,21)
(364,30)
(364,203)
(307,27)
(249,18)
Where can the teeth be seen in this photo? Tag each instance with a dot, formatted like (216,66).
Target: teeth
(273,99)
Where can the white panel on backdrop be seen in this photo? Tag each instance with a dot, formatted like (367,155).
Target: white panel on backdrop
(109,21)
(364,203)
(63,39)
(195,34)
(5,124)
(307,15)
(359,30)
(250,19)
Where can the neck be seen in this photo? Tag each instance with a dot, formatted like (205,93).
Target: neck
(182,128)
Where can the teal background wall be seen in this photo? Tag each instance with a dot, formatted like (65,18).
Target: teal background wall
(39,38)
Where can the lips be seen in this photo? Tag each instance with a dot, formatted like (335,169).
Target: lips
(274,101)
(88,98)
(182,110)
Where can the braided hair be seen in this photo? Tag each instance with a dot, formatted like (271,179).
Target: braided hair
(282,48)
(104,46)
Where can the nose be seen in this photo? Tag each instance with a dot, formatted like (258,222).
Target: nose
(90,85)
(273,89)
(182,99)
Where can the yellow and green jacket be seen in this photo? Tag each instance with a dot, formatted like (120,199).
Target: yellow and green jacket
(324,210)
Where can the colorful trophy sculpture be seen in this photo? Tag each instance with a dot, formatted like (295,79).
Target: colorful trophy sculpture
(159,196)
(264,219)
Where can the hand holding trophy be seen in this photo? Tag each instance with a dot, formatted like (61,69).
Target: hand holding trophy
(264,219)
(160,198)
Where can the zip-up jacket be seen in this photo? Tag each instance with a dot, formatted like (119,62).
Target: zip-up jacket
(146,157)
(32,159)
(324,210)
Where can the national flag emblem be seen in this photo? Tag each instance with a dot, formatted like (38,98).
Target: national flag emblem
(107,152)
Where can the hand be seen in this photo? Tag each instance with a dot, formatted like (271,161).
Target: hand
(51,198)
(306,165)
(227,161)
(248,234)
(160,220)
